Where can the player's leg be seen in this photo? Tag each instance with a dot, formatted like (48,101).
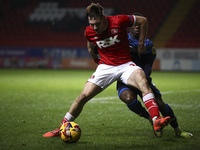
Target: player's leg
(89,91)
(136,107)
(128,96)
(166,110)
(95,85)
(138,80)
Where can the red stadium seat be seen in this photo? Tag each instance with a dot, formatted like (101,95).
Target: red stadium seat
(188,34)
(17,29)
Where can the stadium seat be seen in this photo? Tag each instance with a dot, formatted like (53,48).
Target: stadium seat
(188,34)
(48,23)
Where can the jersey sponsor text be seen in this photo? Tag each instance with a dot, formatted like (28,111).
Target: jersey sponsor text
(108,42)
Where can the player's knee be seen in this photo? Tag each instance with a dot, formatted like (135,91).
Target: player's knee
(127,96)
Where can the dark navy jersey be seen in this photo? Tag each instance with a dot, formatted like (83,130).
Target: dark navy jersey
(133,42)
(146,60)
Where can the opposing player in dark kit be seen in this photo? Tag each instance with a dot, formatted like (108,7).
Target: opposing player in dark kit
(129,95)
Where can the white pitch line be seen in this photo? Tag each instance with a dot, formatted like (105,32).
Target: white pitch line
(102,99)
(181,91)
(163,93)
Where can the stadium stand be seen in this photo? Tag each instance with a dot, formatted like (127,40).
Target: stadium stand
(173,22)
(51,23)
(188,33)
(149,9)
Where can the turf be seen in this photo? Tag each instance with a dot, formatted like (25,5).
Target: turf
(33,102)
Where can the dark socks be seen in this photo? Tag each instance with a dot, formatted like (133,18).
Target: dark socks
(169,112)
(136,107)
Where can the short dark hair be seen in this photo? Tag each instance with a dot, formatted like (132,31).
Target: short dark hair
(137,14)
(94,10)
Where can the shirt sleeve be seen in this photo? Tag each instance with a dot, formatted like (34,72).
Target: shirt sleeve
(127,20)
(134,19)
(150,47)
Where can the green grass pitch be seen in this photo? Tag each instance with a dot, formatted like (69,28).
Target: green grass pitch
(33,102)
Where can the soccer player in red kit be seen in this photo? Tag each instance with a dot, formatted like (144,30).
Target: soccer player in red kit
(109,34)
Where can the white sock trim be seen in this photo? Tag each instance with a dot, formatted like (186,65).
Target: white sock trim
(69,117)
(154,119)
(148,97)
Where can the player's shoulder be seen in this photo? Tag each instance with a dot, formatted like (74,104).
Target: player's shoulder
(113,19)
(150,47)
(117,19)
(115,16)
(148,42)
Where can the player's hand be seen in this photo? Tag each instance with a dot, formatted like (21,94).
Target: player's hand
(96,60)
(141,49)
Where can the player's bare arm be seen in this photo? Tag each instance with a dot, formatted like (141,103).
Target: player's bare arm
(142,22)
(91,50)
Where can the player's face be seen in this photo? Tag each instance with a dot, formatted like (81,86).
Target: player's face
(97,24)
(135,30)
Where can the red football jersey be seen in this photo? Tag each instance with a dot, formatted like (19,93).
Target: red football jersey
(112,44)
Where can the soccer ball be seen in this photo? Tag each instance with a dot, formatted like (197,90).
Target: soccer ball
(70,132)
